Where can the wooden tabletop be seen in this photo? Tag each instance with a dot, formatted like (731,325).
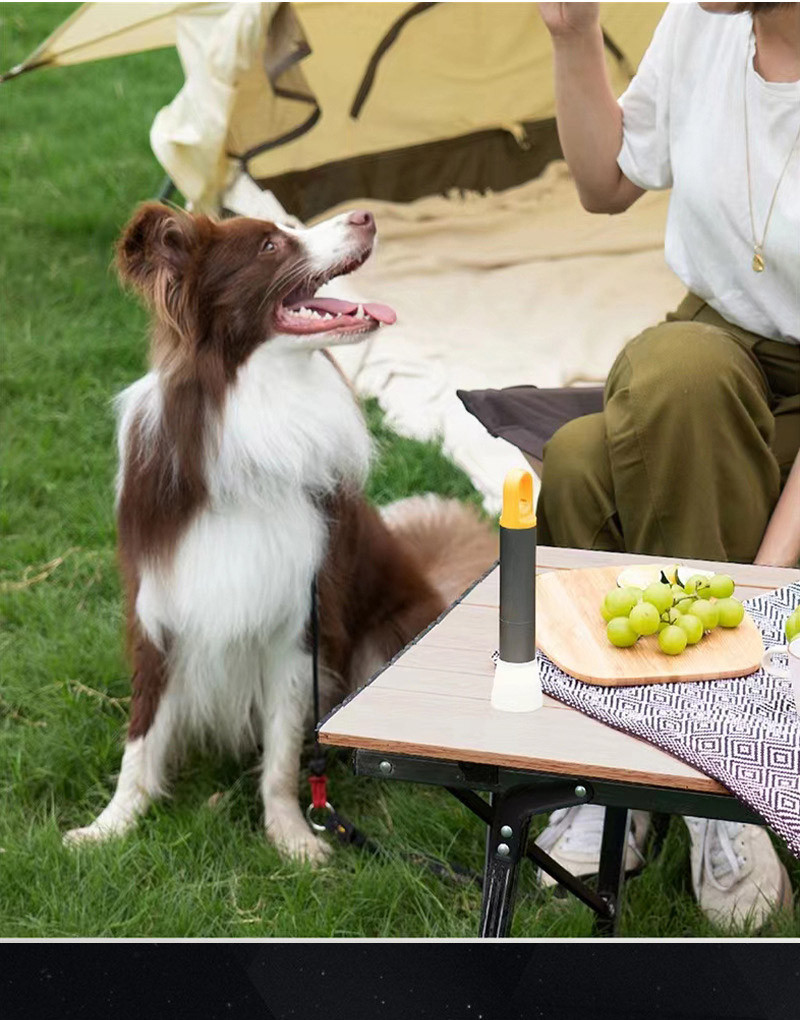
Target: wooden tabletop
(434,701)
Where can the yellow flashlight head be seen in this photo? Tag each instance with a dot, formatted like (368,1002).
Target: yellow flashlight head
(518,512)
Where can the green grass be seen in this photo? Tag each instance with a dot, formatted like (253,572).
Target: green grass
(74,161)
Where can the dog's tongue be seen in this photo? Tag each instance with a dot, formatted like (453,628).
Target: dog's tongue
(383,313)
(335,306)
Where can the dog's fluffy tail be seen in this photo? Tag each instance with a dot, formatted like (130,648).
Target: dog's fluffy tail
(447,538)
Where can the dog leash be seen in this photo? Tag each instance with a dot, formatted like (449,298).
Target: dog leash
(332,821)
(317,765)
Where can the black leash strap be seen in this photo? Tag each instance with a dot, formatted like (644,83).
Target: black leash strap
(348,835)
(317,765)
(318,759)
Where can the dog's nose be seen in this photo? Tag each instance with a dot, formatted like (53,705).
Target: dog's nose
(362,218)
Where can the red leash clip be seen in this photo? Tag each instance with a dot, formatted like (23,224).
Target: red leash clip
(319,791)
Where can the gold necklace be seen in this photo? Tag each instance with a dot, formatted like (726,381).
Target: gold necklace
(758,262)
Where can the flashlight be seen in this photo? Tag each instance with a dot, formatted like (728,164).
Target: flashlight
(517,687)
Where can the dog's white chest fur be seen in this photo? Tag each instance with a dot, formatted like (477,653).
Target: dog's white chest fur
(289,431)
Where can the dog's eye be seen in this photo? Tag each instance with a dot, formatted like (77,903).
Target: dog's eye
(266,246)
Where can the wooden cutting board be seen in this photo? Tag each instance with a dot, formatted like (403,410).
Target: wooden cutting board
(571,632)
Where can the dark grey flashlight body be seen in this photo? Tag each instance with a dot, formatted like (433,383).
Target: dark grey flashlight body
(517,594)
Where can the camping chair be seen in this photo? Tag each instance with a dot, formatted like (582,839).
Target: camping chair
(527,416)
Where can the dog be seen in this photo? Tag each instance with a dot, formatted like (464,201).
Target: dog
(242,460)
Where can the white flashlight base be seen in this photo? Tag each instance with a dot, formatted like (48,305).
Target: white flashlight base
(517,687)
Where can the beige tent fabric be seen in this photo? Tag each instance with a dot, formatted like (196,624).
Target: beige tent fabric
(99,30)
(457,68)
(454,69)
(493,291)
(220,46)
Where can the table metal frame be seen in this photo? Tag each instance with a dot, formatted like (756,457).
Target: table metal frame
(516,796)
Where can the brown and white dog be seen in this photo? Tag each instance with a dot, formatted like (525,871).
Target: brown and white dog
(242,459)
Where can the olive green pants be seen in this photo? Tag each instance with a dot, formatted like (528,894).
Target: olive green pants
(700,426)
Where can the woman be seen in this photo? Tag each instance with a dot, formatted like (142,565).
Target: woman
(695,453)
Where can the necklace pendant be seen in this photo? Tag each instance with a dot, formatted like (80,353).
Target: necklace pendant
(758,261)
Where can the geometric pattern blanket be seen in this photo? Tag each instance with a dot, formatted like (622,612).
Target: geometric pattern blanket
(743,732)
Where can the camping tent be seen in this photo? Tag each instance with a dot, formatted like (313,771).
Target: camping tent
(330,101)
(441,115)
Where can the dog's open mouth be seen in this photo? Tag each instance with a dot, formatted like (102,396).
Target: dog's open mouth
(302,313)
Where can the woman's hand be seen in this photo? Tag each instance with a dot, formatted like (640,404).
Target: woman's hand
(569,19)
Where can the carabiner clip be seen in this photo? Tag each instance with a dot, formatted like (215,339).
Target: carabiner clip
(310,813)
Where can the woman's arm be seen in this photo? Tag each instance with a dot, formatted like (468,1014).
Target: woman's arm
(588,117)
(780,546)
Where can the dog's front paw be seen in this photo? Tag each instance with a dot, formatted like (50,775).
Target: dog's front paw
(92,834)
(88,834)
(309,850)
(293,839)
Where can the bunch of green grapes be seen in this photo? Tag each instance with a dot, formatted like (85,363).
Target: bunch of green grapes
(793,625)
(679,614)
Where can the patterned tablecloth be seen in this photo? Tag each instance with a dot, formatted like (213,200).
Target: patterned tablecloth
(743,732)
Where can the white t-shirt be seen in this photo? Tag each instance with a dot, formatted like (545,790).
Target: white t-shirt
(683,127)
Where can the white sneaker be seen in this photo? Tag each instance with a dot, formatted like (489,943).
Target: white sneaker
(573,837)
(736,874)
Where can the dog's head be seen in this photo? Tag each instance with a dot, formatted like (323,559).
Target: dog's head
(228,287)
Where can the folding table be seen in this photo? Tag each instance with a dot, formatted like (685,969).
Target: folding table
(426,717)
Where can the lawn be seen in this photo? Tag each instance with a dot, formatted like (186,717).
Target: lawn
(75,160)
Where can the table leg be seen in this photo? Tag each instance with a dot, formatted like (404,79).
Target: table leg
(503,858)
(611,872)
(485,811)
(508,816)
(486,817)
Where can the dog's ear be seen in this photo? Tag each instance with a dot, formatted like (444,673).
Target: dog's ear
(153,252)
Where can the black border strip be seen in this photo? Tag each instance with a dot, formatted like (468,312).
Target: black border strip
(273,76)
(381,50)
